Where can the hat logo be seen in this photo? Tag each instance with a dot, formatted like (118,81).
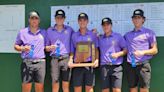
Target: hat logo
(60,12)
(105,20)
(82,15)
(137,12)
(34,14)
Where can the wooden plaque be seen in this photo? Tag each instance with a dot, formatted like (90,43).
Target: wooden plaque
(83,51)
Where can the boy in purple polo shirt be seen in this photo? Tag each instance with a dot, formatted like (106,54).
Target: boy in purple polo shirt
(58,44)
(30,42)
(112,48)
(142,45)
(83,74)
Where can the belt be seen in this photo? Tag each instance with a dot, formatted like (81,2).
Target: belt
(60,57)
(110,64)
(141,62)
(35,60)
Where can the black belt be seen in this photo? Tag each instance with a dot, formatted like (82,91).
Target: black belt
(141,62)
(60,57)
(110,64)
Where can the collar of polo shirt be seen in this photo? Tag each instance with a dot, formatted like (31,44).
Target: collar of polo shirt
(33,33)
(86,33)
(53,28)
(104,36)
(141,29)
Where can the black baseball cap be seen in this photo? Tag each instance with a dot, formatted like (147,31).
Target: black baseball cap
(83,16)
(60,12)
(138,12)
(106,20)
(34,14)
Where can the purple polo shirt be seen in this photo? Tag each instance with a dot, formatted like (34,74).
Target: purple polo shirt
(62,37)
(78,37)
(139,40)
(26,37)
(111,44)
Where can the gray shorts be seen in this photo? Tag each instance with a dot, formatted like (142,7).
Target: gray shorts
(33,71)
(139,75)
(111,76)
(60,69)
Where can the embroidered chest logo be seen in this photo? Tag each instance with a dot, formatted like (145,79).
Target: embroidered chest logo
(40,36)
(89,39)
(113,42)
(65,32)
(142,37)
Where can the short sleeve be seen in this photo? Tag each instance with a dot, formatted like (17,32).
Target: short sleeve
(72,43)
(18,39)
(152,38)
(122,42)
(95,38)
(47,39)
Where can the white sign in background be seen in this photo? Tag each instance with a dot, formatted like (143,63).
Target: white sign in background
(119,13)
(12,19)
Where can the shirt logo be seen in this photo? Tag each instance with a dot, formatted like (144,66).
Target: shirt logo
(89,39)
(142,37)
(65,32)
(40,36)
(113,43)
